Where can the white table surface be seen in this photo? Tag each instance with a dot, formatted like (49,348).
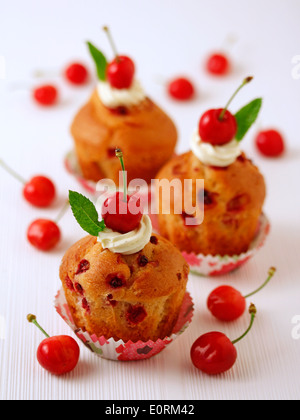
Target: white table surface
(166,38)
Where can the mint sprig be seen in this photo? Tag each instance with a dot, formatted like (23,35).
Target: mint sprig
(246,116)
(100,61)
(85,213)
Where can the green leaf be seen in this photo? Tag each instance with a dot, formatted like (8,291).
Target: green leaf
(246,116)
(100,61)
(85,213)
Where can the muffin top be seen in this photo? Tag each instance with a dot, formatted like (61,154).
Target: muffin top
(232,189)
(156,271)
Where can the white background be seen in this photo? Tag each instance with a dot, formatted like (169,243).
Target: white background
(166,38)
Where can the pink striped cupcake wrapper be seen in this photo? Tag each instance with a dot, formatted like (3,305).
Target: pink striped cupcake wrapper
(110,349)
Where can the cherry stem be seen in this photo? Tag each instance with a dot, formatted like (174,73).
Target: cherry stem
(12,172)
(119,154)
(271,273)
(252,311)
(245,82)
(32,318)
(111,41)
(62,212)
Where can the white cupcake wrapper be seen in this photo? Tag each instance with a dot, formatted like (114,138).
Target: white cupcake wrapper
(119,350)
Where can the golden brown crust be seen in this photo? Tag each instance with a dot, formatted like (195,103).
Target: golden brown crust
(134,297)
(144,131)
(234,198)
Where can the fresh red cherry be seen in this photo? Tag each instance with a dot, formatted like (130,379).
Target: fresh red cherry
(120,72)
(76,73)
(270,143)
(219,126)
(117,212)
(43,234)
(45,95)
(213,353)
(59,354)
(120,211)
(217,131)
(181,89)
(39,191)
(218,64)
(228,304)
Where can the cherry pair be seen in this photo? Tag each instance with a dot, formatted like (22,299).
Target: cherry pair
(47,95)
(40,192)
(183,89)
(214,353)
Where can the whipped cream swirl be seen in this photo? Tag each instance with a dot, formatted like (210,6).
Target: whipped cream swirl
(112,97)
(223,155)
(127,243)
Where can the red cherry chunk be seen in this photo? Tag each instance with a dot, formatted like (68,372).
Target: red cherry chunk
(136,314)
(39,191)
(217,131)
(270,143)
(142,260)
(79,289)
(69,283)
(217,64)
(83,266)
(154,240)
(120,215)
(226,303)
(210,198)
(115,280)
(120,72)
(45,95)
(238,203)
(181,89)
(213,353)
(76,73)
(85,305)
(43,234)
(59,355)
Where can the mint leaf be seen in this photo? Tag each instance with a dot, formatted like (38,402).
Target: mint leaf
(100,61)
(85,213)
(246,116)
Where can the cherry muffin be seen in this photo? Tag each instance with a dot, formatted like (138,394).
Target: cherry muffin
(129,297)
(125,285)
(120,114)
(233,192)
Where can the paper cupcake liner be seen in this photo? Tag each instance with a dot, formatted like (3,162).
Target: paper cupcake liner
(72,166)
(203,265)
(214,265)
(110,349)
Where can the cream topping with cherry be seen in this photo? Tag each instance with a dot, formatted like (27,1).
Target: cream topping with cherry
(216,142)
(130,242)
(221,156)
(113,97)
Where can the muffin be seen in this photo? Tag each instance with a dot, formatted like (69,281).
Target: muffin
(134,294)
(233,201)
(121,117)
(231,197)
